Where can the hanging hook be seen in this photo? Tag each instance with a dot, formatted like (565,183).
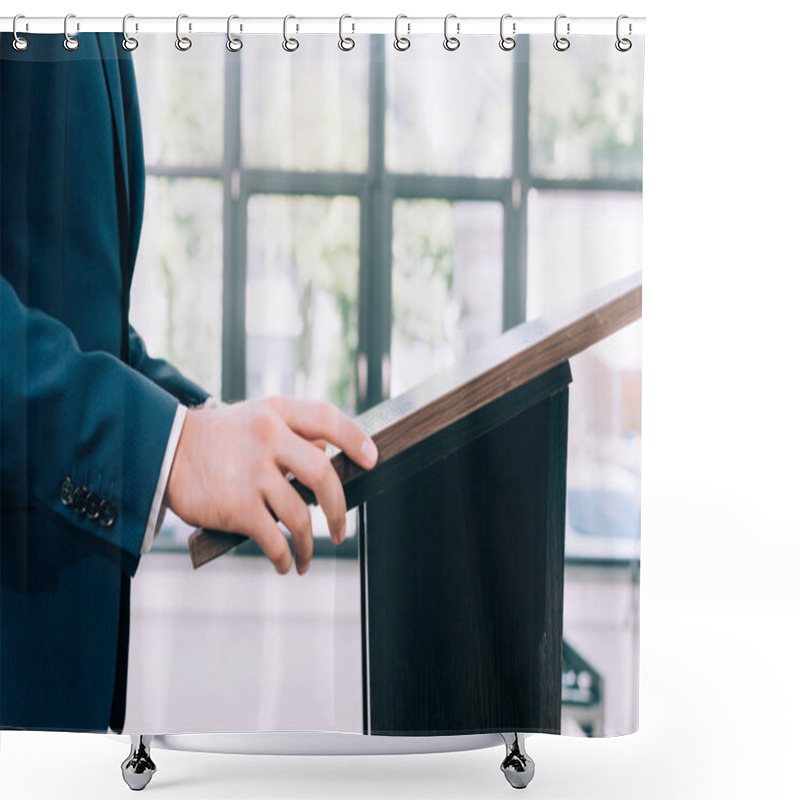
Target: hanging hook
(623,45)
(289,45)
(233,44)
(70,42)
(507,42)
(182,42)
(451,42)
(128,42)
(401,42)
(19,43)
(561,43)
(345,42)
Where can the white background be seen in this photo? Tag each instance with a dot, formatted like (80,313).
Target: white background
(719,709)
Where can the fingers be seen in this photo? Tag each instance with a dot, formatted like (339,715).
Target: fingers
(260,525)
(313,468)
(318,443)
(294,514)
(313,420)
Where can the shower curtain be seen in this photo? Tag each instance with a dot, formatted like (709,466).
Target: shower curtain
(338,219)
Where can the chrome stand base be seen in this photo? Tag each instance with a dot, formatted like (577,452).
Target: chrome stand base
(517,766)
(138,768)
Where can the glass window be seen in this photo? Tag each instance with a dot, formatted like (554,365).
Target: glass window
(447,284)
(176,293)
(579,241)
(468,94)
(302,297)
(177,129)
(292,113)
(604,449)
(585,110)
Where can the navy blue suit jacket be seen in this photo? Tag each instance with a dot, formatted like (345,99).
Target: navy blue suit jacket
(80,397)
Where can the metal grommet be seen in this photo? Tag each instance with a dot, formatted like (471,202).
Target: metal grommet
(289,44)
(233,44)
(561,43)
(401,42)
(19,43)
(128,42)
(183,43)
(70,42)
(507,42)
(346,43)
(451,42)
(623,45)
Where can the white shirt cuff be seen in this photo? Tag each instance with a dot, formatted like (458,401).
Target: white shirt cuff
(159,508)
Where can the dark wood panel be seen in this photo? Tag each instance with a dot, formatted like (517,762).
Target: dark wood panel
(552,598)
(516,358)
(463,570)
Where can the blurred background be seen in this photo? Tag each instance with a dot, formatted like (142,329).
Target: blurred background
(341,226)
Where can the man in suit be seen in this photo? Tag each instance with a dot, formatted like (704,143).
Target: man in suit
(98,438)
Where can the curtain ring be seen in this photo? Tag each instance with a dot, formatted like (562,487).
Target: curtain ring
(128,42)
(345,42)
(70,42)
(183,43)
(19,43)
(451,42)
(233,44)
(623,45)
(289,45)
(561,43)
(507,42)
(401,42)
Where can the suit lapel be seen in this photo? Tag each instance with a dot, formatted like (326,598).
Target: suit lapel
(110,59)
(113,81)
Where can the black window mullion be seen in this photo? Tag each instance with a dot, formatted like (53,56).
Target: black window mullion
(449,187)
(234,242)
(515,218)
(286,182)
(375,257)
(586,184)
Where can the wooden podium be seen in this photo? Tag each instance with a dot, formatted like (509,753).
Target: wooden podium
(461,533)
(462,574)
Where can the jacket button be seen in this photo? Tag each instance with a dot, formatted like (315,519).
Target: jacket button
(93,504)
(67,491)
(108,513)
(79,500)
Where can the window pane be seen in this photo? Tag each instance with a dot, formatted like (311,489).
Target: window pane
(177,130)
(302,297)
(604,448)
(305,110)
(447,284)
(579,241)
(586,109)
(176,295)
(449,112)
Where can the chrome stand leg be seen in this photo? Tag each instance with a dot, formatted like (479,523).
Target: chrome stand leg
(517,766)
(138,768)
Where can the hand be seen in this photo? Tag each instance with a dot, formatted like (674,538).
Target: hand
(230,464)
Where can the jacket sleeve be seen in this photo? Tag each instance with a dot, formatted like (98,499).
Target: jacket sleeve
(83,435)
(163,373)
